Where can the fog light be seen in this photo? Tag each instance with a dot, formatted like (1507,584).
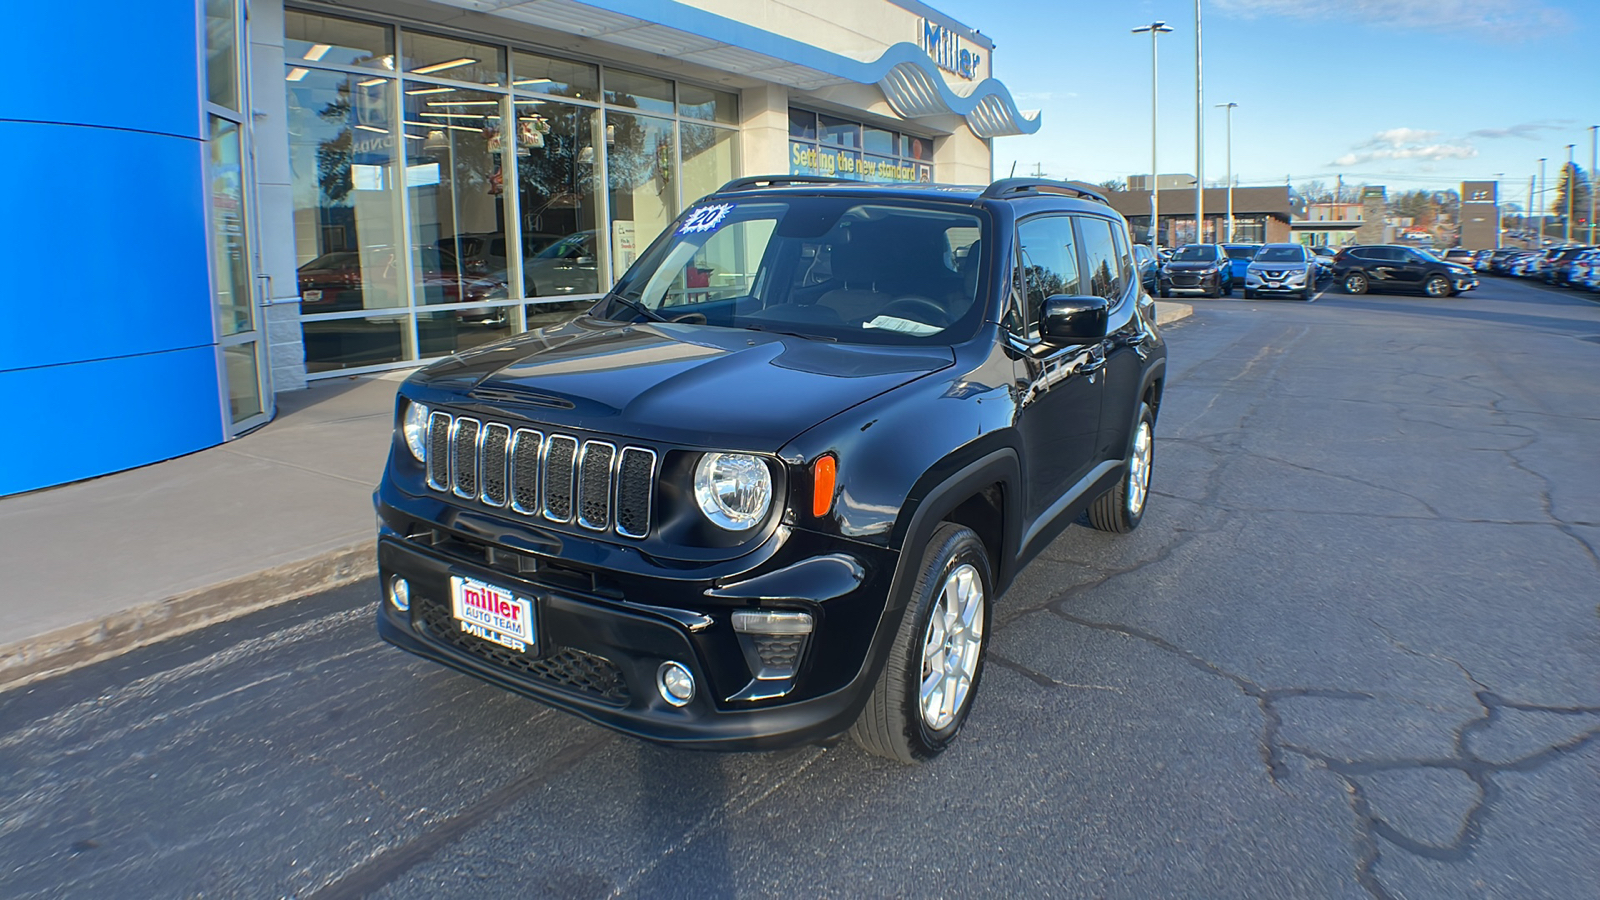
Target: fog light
(771,622)
(400,593)
(675,683)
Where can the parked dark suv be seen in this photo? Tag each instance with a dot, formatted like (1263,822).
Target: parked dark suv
(1389,267)
(782,506)
(1198,269)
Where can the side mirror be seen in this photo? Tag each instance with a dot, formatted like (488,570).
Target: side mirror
(1074,319)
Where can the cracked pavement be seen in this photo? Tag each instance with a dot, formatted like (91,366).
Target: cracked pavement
(1353,651)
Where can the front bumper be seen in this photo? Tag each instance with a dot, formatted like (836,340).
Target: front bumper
(1292,283)
(1464,282)
(602,635)
(1192,284)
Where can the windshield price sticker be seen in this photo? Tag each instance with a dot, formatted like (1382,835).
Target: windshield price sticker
(706,218)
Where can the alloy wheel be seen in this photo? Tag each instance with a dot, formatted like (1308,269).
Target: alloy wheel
(951,647)
(1139,470)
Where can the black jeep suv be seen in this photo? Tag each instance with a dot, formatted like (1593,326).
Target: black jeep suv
(770,487)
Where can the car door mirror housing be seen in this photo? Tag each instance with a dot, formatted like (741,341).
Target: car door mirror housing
(1070,319)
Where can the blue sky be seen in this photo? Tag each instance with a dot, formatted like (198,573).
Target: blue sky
(1406,93)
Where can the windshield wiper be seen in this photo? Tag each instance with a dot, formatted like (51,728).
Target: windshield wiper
(638,307)
(809,337)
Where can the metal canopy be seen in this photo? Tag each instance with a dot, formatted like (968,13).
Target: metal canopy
(910,81)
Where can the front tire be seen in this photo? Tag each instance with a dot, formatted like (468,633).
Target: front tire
(1355,283)
(927,688)
(1121,508)
(1437,286)
(1249,294)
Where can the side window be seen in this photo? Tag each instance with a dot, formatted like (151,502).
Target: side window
(1048,255)
(1100,254)
(1130,269)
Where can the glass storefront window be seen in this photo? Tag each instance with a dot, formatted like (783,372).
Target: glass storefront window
(543,315)
(710,159)
(876,140)
(546,75)
(342,155)
(840,133)
(333,344)
(244,388)
(454,190)
(222,67)
(704,103)
(446,331)
(640,152)
(802,124)
(235,312)
(455,59)
(646,93)
(558,171)
(310,39)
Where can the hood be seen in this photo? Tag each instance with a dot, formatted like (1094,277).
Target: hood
(1192,266)
(673,383)
(1275,266)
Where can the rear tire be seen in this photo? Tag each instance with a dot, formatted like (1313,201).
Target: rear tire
(928,685)
(1121,508)
(1355,283)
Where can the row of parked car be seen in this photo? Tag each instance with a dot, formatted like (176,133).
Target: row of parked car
(1576,267)
(1295,270)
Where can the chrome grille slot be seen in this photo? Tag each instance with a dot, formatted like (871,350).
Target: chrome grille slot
(560,454)
(635,486)
(594,485)
(439,451)
(464,456)
(591,483)
(525,471)
(492,463)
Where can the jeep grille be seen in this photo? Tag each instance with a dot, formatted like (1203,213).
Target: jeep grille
(559,477)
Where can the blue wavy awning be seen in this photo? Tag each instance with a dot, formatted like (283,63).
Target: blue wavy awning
(910,81)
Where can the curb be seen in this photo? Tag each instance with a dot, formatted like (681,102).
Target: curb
(75,646)
(1167,313)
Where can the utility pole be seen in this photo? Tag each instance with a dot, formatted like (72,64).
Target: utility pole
(1541,200)
(1155,28)
(1230,107)
(1594,152)
(1499,223)
(1572,185)
(1529,211)
(1199,139)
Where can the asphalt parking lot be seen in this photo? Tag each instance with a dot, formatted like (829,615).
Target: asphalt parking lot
(1353,651)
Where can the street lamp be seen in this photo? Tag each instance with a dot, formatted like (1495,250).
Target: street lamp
(1199,139)
(1154,28)
(1540,245)
(1594,157)
(1572,183)
(1499,221)
(1230,107)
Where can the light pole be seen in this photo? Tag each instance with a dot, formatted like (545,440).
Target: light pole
(1499,223)
(1540,245)
(1230,107)
(1199,139)
(1572,184)
(1154,28)
(1594,158)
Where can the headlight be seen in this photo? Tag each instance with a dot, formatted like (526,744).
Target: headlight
(734,490)
(415,427)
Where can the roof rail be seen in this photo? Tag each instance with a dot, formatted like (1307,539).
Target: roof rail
(752,181)
(1042,186)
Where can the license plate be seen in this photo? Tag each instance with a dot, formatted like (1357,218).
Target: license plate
(1274,284)
(492,613)
(311,296)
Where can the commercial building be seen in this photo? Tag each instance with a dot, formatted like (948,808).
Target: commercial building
(1260,214)
(261,194)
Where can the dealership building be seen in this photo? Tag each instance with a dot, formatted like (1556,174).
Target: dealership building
(264,194)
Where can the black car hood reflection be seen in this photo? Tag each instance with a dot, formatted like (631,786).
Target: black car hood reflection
(677,383)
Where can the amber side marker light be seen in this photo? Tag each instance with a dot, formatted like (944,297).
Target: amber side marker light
(824,475)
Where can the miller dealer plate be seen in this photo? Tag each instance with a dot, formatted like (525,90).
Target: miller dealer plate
(492,613)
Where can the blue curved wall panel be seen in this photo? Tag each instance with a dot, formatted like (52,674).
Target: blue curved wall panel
(106,315)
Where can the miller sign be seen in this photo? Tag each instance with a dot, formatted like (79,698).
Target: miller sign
(947,51)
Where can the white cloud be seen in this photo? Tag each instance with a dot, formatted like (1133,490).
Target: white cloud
(1497,18)
(1406,143)
(1530,131)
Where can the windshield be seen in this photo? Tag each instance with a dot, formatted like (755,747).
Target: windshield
(1195,253)
(876,272)
(1241,252)
(1280,254)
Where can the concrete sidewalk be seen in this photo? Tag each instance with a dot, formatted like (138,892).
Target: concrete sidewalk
(96,568)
